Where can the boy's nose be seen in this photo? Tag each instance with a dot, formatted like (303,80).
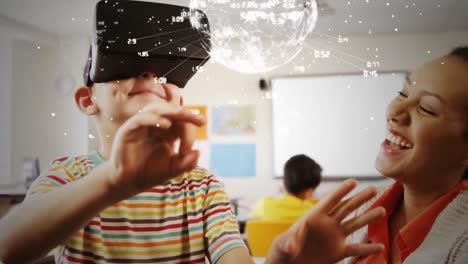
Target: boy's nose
(148,75)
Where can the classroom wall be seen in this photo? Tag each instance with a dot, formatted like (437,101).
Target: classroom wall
(11,31)
(5,107)
(32,60)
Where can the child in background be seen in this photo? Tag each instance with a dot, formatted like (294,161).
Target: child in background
(302,175)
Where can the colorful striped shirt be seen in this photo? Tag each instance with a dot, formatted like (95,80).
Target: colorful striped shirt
(187,220)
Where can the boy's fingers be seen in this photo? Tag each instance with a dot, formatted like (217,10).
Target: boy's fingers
(187,138)
(185,115)
(149,120)
(358,222)
(350,205)
(331,200)
(176,113)
(182,163)
(362,250)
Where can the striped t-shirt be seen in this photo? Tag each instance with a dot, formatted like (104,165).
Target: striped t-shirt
(183,221)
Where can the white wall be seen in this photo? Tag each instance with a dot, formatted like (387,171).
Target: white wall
(28,97)
(217,85)
(36,133)
(5,108)
(9,32)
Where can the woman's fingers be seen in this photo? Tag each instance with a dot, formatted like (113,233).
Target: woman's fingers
(363,250)
(353,203)
(331,200)
(358,222)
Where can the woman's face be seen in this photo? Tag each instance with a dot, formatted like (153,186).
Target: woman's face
(426,122)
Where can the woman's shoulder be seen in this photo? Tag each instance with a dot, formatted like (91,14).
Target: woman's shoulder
(448,238)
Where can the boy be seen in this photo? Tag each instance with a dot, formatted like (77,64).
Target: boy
(302,175)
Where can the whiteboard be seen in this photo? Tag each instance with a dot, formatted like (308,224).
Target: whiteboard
(337,120)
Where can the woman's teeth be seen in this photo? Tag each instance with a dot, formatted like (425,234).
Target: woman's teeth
(397,140)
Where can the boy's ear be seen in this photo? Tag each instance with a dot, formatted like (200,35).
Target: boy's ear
(83,99)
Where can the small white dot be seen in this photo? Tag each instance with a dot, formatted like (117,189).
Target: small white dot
(388,4)
(360,21)
(349,3)
(87,20)
(428,52)
(157,125)
(393,16)
(396,29)
(443,63)
(376,49)
(73,19)
(346,21)
(91,136)
(420,13)
(52,114)
(65,134)
(111,119)
(372,118)
(107,136)
(350,16)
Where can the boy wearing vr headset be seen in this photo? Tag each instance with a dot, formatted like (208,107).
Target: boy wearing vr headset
(137,200)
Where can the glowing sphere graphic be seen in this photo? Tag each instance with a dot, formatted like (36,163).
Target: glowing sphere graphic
(255,36)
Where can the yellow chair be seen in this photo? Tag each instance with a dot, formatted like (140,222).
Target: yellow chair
(261,233)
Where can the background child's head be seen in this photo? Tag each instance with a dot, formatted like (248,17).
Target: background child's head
(301,176)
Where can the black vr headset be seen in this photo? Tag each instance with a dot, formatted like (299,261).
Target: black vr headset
(132,37)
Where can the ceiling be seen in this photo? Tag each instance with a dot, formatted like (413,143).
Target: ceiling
(71,17)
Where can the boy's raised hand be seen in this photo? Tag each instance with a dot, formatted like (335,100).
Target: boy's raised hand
(320,235)
(143,154)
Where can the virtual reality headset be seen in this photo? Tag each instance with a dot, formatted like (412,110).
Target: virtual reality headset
(132,37)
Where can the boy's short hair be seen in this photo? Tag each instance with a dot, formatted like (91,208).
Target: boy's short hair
(301,173)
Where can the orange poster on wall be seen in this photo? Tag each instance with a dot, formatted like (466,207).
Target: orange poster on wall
(202,132)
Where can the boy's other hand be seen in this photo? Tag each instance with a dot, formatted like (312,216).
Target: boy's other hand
(143,153)
(320,235)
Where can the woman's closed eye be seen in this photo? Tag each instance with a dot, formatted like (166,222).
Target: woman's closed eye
(425,110)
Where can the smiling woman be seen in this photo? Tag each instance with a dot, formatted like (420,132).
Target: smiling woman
(426,152)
